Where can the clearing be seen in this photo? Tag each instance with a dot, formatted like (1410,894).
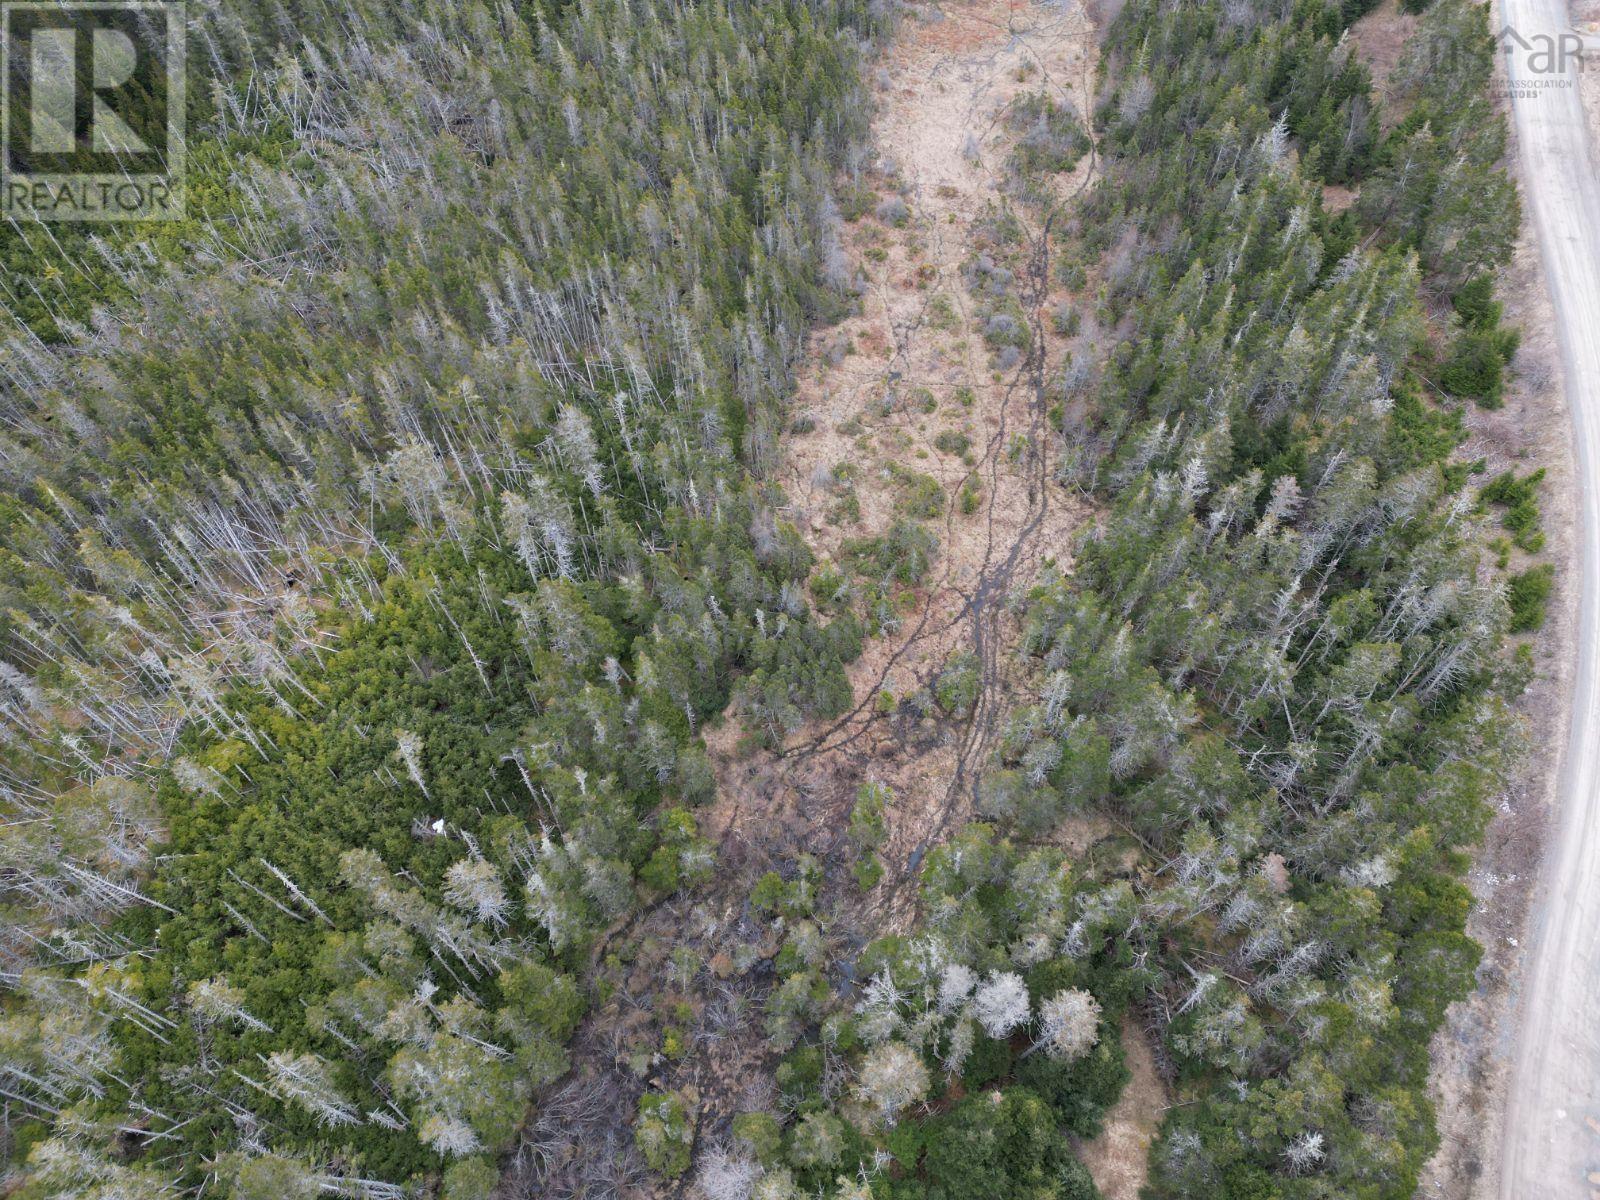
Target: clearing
(930,403)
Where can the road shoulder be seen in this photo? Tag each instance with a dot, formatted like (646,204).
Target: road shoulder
(1473,1052)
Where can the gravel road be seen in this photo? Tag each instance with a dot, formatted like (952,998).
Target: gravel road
(1552,1123)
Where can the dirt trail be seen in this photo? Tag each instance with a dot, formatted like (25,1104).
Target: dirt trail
(887,383)
(911,366)
(909,386)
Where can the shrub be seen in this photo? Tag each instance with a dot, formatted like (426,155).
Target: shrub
(917,494)
(1051,136)
(902,554)
(1476,365)
(894,211)
(1529,596)
(760,1133)
(867,828)
(867,871)
(470,1179)
(957,686)
(662,1133)
(1519,498)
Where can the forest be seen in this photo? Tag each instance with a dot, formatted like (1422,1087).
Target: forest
(381,541)
(1283,657)
(375,548)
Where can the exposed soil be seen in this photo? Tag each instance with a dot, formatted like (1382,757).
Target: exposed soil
(911,366)
(908,383)
(887,383)
(1118,1158)
(1379,39)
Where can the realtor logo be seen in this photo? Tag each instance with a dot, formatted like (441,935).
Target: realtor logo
(92,109)
(1543,53)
